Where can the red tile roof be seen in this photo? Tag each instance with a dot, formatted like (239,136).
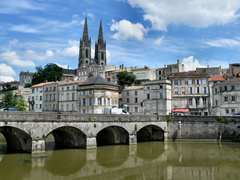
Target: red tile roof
(217,78)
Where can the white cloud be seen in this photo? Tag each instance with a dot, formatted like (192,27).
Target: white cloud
(63,66)
(159,40)
(126,30)
(191,64)
(6,73)
(33,55)
(197,13)
(13,59)
(108,56)
(222,42)
(73,50)
(13,42)
(24,28)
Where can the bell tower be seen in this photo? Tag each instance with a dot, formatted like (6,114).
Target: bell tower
(85,48)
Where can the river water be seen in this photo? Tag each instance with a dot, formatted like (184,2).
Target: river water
(148,160)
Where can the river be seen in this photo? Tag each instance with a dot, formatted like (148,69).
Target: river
(147,160)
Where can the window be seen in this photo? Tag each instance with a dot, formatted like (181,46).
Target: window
(136,100)
(54,88)
(148,96)
(62,108)
(73,107)
(67,108)
(190,102)
(46,98)
(204,81)
(73,87)
(233,111)
(136,109)
(205,90)
(73,96)
(32,90)
(191,90)
(182,82)
(189,82)
(183,90)
(233,88)
(225,98)
(215,91)
(127,100)
(216,102)
(148,87)
(108,101)
(197,101)
(197,81)
(127,93)
(40,98)
(225,88)
(53,108)
(204,101)
(36,98)
(90,101)
(40,106)
(62,97)
(159,72)
(175,90)
(227,111)
(183,102)
(50,89)
(84,102)
(198,90)
(160,87)
(233,98)
(46,90)
(54,97)
(99,101)
(136,93)
(67,97)
(86,52)
(175,102)
(67,88)
(175,82)
(161,95)
(50,97)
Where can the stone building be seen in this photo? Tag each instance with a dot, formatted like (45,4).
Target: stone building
(143,74)
(25,78)
(190,92)
(226,97)
(85,62)
(234,68)
(211,70)
(96,94)
(167,70)
(61,96)
(157,97)
(36,97)
(132,99)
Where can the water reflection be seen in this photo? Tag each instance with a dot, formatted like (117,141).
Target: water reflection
(65,162)
(153,151)
(112,156)
(148,160)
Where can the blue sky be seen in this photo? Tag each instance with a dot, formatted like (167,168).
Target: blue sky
(138,32)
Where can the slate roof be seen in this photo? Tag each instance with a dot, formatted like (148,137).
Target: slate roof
(190,74)
(97,80)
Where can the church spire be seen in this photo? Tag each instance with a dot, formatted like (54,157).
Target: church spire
(85,31)
(100,34)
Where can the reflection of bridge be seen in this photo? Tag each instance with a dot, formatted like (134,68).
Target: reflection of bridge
(27,132)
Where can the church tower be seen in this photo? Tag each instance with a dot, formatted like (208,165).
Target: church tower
(85,48)
(100,48)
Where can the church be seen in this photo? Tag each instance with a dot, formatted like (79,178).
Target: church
(87,64)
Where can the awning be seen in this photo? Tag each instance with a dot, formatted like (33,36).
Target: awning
(180,110)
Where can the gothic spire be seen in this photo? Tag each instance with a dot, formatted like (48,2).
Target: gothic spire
(85,31)
(100,34)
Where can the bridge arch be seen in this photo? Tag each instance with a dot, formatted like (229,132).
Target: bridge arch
(68,137)
(112,135)
(150,133)
(17,139)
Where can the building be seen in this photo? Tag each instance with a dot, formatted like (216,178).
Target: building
(157,97)
(25,78)
(143,74)
(190,92)
(234,68)
(166,71)
(61,96)
(211,70)
(36,97)
(226,97)
(132,99)
(96,94)
(86,63)
(6,85)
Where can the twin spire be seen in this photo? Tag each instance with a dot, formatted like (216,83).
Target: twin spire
(85,32)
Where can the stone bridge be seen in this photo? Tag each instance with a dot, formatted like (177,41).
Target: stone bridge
(28,131)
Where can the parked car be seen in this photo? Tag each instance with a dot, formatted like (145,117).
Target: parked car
(9,109)
(236,114)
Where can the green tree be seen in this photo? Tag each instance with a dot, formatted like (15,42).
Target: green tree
(125,78)
(90,74)
(50,72)
(12,100)
(27,85)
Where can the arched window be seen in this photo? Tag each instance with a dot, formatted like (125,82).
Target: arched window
(102,55)
(86,52)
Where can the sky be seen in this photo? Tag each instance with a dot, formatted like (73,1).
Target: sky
(138,33)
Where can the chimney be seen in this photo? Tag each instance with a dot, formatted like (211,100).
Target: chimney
(122,66)
(68,79)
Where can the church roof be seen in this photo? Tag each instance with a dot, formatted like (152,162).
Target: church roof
(97,80)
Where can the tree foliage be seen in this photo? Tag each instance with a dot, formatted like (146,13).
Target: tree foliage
(124,78)
(12,100)
(90,74)
(50,72)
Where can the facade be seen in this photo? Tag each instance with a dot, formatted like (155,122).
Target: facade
(190,92)
(61,96)
(211,70)
(226,97)
(132,99)
(85,63)
(143,75)
(25,78)
(157,97)
(164,73)
(234,68)
(6,85)
(36,97)
(96,94)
